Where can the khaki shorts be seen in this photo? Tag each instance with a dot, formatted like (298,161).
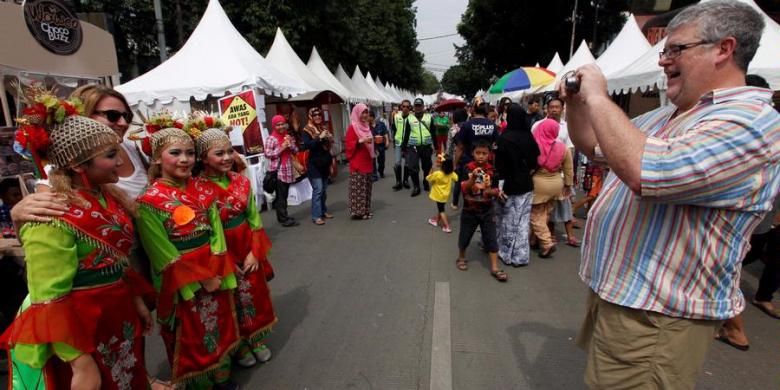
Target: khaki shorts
(638,349)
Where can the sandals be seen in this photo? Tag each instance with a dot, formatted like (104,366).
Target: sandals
(462,264)
(546,254)
(772,313)
(500,275)
(724,339)
(573,242)
(328,216)
(319,221)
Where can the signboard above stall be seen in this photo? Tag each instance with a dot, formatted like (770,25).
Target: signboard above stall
(53,25)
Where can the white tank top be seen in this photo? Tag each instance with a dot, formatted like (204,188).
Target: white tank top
(134,184)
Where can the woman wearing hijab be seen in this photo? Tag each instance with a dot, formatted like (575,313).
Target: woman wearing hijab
(554,158)
(317,140)
(360,153)
(280,149)
(516,160)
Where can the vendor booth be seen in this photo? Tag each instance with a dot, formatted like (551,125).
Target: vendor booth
(66,55)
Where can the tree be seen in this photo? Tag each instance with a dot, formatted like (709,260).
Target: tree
(430,83)
(506,34)
(378,35)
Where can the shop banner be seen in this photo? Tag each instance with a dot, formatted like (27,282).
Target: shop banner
(242,111)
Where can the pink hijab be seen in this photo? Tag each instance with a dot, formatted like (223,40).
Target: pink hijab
(361,128)
(551,151)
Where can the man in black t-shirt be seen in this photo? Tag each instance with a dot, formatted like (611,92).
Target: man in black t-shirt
(479,127)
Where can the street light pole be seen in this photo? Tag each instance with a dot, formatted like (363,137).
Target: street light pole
(160,31)
(573,28)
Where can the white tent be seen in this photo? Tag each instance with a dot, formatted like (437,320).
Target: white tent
(627,46)
(581,57)
(359,82)
(215,60)
(555,64)
(393,92)
(318,67)
(371,84)
(641,75)
(644,73)
(283,57)
(345,80)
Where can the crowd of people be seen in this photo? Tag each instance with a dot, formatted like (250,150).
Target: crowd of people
(676,197)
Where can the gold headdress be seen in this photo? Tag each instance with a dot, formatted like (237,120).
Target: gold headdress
(79,139)
(207,130)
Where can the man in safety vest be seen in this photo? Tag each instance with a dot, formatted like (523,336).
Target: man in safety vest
(413,135)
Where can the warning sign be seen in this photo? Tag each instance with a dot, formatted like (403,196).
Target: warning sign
(240,112)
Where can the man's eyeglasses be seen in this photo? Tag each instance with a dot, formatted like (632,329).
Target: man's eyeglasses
(114,115)
(405,106)
(674,51)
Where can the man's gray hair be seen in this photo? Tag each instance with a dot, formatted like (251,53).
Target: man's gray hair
(721,19)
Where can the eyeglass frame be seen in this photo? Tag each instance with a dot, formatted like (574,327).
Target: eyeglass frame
(128,116)
(666,52)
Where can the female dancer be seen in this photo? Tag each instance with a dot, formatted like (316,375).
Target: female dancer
(82,325)
(181,232)
(247,242)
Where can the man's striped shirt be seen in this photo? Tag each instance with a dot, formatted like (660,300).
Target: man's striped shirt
(708,176)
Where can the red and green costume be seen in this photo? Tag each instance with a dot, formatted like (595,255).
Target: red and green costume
(80,300)
(183,237)
(245,234)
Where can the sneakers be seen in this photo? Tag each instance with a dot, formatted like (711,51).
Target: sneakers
(446,229)
(433,222)
(263,354)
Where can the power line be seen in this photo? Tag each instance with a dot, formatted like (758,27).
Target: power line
(437,37)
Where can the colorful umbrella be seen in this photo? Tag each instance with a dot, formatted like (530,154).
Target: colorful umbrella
(522,78)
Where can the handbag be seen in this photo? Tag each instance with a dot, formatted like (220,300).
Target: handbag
(271,179)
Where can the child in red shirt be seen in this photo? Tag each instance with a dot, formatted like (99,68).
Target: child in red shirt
(479,190)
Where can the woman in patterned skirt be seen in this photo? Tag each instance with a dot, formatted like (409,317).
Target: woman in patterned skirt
(247,241)
(359,145)
(181,231)
(82,325)
(515,161)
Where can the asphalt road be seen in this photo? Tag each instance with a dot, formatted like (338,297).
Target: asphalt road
(355,301)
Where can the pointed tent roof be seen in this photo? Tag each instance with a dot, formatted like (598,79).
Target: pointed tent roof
(644,73)
(283,57)
(627,46)
(370,81)
(344,79)
(393,92)
(581,57)
(640,75)
(188,73)
(318,67)
(359,81)
(555,64)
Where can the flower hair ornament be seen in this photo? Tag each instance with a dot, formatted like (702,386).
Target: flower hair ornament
(207,130)
(155,122)
(43,110)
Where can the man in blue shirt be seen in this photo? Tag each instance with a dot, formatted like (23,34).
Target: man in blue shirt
(379,129)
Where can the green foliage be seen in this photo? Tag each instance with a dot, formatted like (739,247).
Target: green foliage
(430,83)
(506,34)
(378,35)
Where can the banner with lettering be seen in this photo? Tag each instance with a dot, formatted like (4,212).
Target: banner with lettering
(242,111)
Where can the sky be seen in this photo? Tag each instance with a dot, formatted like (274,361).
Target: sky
(434,18)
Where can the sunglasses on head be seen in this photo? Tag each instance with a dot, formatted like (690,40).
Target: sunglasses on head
(114,115)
